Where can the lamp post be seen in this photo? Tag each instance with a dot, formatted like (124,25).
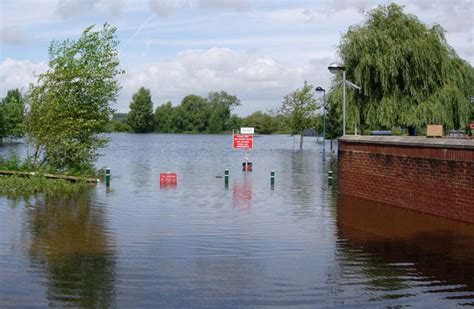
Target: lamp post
(335,68)
(321,89)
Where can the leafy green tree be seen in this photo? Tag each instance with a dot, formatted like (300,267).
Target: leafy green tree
(221,104)
(70,103)
(120,117)
(235,122)
(333,117)
(12,115)
(262,122)
(299,106)
(140,118)
(165,118)
(409,75)
(194,112)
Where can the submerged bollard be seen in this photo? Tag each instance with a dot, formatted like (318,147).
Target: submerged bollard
(107,177)
(226,177)
(330,177)
(272,178)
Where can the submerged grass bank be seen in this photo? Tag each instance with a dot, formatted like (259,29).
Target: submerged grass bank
(16,186)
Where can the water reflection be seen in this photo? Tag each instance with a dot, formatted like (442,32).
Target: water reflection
(404,252)
(242,193)
(202,244)
(70,244)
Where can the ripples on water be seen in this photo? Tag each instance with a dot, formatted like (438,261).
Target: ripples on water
(203,245)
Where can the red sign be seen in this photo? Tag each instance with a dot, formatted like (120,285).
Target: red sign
(167,179)
(243,141)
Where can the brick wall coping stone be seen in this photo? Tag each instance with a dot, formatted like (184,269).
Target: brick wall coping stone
(415,141)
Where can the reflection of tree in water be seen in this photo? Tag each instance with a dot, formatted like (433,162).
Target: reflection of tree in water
(69,242)
(393,246)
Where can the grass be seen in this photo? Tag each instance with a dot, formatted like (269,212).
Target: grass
(14,186)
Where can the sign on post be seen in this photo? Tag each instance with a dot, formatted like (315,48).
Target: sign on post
(243,141)
(246,130)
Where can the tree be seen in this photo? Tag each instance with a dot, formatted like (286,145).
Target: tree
(70,103)
(262,122)
(194,112)
(165,121)
(221,104)
(140,117)
(235,122)
(12,115)
(299,107)
(409,75)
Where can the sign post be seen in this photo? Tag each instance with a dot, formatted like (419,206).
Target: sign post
(244,140)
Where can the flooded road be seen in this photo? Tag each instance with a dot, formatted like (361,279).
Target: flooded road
(200,244)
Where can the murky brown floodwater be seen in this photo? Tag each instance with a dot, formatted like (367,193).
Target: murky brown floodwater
(203,245)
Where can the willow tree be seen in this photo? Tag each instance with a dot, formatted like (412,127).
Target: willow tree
(409,74)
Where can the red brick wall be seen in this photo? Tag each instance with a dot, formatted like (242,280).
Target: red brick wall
(439,181)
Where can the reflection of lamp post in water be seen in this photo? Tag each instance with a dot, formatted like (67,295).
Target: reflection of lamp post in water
(335,68)
(321,89)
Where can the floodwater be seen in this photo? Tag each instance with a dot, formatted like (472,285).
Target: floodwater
(200,244)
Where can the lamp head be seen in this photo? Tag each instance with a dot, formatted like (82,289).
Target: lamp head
(319,89)
(336,67)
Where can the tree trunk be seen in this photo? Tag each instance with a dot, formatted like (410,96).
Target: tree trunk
(301,141)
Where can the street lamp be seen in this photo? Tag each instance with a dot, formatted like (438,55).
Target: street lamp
(335,68)
(321,89)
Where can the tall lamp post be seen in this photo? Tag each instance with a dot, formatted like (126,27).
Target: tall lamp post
(321,89)
(335,68)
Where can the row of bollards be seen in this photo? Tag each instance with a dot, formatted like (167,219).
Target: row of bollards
(226,178)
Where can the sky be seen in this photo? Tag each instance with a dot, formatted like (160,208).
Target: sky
(258,50)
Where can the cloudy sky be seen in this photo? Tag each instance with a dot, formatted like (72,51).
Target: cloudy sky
(258,50)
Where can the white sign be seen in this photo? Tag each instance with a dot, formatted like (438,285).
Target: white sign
(246,130)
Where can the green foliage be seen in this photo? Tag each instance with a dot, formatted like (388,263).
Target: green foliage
(12,115)
(121,117)
(221,105)
(118,123)
(409,75)
(235,122)
(262,122)
(14,186)
(118,126)
(70,103)
(165,120)
(196,114)
(334,116)
(299,106)
(140,117)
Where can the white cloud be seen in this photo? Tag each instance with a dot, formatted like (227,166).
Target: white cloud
(14,36)
(18,74)
(260,82)
(163,8)
(237,5)
(71,8)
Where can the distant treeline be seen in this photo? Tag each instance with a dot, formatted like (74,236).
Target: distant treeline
(194,114)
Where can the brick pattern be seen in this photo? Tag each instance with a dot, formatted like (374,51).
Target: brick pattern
(438,181)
